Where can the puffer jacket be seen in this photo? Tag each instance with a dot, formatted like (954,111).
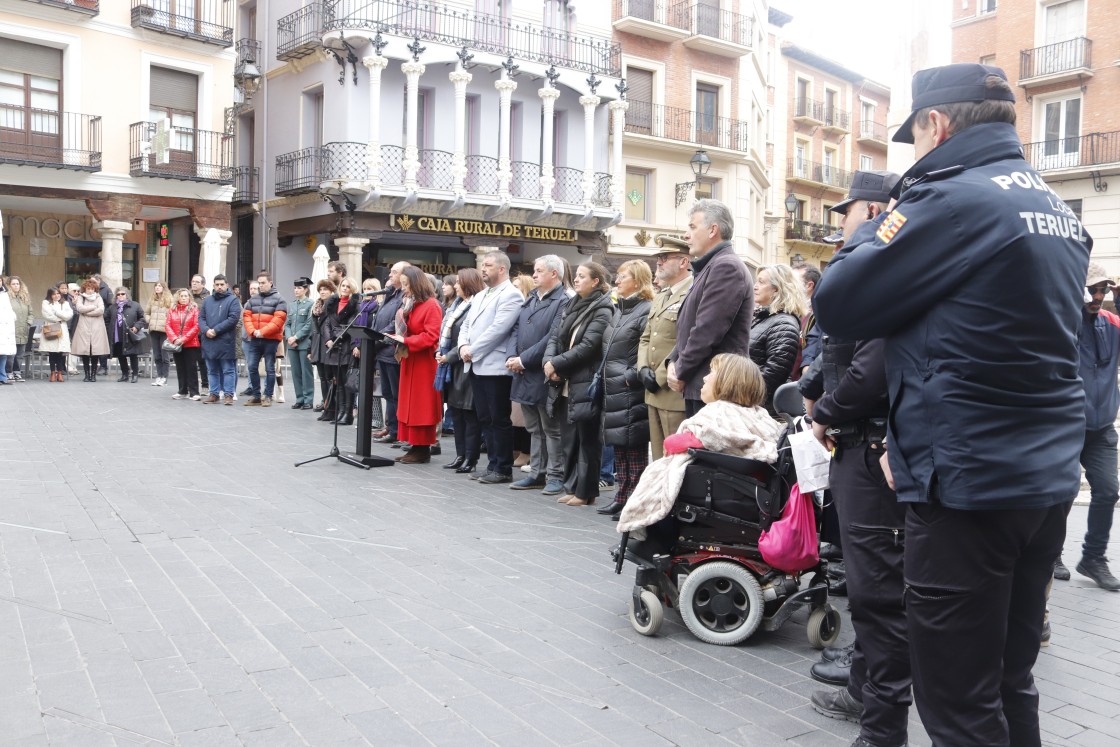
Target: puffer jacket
(340,354)
(576,358)
(157,316)
(182,321)
(266,312)
(625,416)
(775,342)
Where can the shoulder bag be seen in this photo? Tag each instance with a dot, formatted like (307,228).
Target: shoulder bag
(52,330)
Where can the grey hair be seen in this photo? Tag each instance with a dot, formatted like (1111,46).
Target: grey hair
(716,213)
(501,258)
(553,263)
(122,289)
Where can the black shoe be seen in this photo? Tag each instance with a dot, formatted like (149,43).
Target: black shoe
(305,406)
(1097,569)
(327,416)
(436,450)
(465,468)
(611,509)
(319,408)
(832,672)
(1061,573)
(346,418)
(124,377)
(861,742)
(837,704)
(455,463)
(248,390)
(832,653)
(495,478)
(830,551)
(401,445)
(132,379)
(297,406)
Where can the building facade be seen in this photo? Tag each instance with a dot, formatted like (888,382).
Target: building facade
(113,153)
(1063,58)
(390,130)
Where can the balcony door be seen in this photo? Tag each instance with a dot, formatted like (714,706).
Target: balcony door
(491,24)
(1062,23)
(707,114)
(1062,125)
(707,18)
(173,98)
(639,117)
(30,102)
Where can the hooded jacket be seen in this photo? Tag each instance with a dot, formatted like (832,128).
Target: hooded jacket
(219,312)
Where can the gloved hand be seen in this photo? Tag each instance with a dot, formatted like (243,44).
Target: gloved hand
(679,443)
(630,378)
(649,380)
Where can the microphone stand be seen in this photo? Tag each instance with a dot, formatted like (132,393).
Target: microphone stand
(334,452)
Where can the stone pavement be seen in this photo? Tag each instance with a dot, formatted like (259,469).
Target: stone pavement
(168,577)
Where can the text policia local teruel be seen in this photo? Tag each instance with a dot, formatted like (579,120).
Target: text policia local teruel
(429,224)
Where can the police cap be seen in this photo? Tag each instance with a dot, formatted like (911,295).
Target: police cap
(301,282)
(950,84)
(873,186)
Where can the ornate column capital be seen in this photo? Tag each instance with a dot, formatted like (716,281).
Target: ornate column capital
(590,101)
(548,94)
(460,77)
(619,105)
(505,86)
(112,229)
(413,68)
(373,61)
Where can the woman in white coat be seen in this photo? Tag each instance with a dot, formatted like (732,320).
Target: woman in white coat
(56,311)
(7,332)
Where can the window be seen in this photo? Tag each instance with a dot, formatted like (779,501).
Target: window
(1075,206)
(173,98)
(1062,127)
(800,159)
(636,198)
(988,59)
(828,168)
(707,189)
(988,6)
(516,125)
(474,112)
(30,100)
(639,117)
(559,20)
(313,118)
(866,119)
(490,24)
(831,115)
(801,103)
(707,18)
(707,114)
(1062,23)
(866,163)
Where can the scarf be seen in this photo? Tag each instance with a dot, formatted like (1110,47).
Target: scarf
(120,321)
(575,314)
(443,370)
(400,326)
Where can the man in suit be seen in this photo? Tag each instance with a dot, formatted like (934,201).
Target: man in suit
(666,407)
(716,315)
(485,343)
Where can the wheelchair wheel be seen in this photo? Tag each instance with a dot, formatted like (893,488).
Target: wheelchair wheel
(823,627)
(648,619)
(721,603)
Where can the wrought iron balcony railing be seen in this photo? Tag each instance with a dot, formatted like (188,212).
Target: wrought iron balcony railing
(86,7)
(248,50)
(706,20)
(245,185)
(299,171)
(869,130)
(301,33)
(180,153)
(1087,152)
(819,173)
(1055,59)
(457,27)
(209,21)
(803,230)
(657,11)
(49,138)
(526,181)
(671,123)
(820,111)
(482,175)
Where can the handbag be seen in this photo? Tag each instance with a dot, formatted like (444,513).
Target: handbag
(172,347)
(791,542)
(139,335)
(353,380)
(52,330)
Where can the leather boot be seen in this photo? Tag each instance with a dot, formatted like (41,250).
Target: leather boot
(416,455)
(327,416)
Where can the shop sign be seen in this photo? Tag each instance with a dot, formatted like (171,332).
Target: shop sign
(463,227)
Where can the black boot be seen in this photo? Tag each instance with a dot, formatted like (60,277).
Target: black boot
(1097,569)
(124,377)
(327,416)
(455,463)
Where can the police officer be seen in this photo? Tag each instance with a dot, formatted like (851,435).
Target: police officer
(974,280)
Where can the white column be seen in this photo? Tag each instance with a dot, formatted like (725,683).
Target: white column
(376,65)
(350,254)
(223,246)
(548,96)
(481,247)
(112,237)
(589,103)
(413,71)
(618,175)
(505,87)
(460,79)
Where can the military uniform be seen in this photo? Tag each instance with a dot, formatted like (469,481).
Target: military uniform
(666,407)
(975,282)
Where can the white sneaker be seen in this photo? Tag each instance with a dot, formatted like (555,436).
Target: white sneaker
(155,382)
(196,397)
(235,396)
(280,396)
(526,468)
(162,380)
(176,395)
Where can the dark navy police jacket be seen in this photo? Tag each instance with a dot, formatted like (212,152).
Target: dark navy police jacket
(975,280)
(1099,346)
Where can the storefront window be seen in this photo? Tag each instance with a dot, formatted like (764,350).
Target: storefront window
(83,259)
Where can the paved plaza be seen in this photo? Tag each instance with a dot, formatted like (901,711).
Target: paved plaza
(168,577)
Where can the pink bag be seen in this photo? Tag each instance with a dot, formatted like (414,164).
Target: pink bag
(790,544)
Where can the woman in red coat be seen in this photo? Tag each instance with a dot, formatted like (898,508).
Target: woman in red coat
(182,330)
(419,409)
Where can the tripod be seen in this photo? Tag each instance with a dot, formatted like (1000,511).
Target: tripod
(334,452)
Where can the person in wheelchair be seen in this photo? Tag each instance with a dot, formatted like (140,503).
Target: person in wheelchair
(733,421)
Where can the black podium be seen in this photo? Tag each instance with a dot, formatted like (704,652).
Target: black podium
(367,368)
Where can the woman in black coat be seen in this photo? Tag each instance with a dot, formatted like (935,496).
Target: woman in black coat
(317,354)
(625,416)
(453,381)
(572,359)
(124,319)
(776,329)
(340,310)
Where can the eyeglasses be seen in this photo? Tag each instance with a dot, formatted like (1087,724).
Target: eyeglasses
(663,258)
(1098,290)
(122,294)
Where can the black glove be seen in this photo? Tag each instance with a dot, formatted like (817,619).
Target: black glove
(649,380)
(630,378)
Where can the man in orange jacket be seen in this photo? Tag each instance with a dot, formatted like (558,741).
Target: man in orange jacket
(264,317)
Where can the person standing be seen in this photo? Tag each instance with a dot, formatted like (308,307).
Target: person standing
(217,329)
(182,332)
(21,305)
(978,303)
(90,341)
(199,293)
(297,333)
(484,345)
(665,406)
(716,314)
(56,311)
(126,319)
(263,317)
(68,292)
(156,314)
(7,331)
(317,353)
(536,322)
(454,382)
(779,303)
(384,321)
(106,294)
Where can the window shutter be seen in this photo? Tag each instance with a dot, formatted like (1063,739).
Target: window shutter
(33,59)
(639,84)
(174,89)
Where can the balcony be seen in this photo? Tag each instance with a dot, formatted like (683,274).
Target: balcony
(872,133)
(1086,153)
(478,31)
(719,32)
(85,7)
(300,34)
(685,126)
(805,231)
(49,138)
(180,153)
(821,114)
(245,181)
(1056,63)
(208,21)
(818,175)
(652,19)
(298,172)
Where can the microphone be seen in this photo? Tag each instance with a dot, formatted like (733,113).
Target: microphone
(371,294)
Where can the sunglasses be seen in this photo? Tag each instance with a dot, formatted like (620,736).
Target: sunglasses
(121,294)
(1098,290)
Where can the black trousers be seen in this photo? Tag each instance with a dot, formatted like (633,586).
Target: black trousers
(583,453)
(468,441)
(872,524)
(975,598)
(493,407)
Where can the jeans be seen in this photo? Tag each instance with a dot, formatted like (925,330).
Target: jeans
(606,470)
(546,457)
(222,374)
(1098,457)
(13,361)
(256,349)
(3,368)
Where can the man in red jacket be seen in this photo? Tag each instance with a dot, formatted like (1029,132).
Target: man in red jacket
(264,318)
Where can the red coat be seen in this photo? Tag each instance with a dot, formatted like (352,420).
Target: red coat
(418,403)
(182,321)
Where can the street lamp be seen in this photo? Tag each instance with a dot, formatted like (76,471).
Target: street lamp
(791,205)
(796,259)
(700,164)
